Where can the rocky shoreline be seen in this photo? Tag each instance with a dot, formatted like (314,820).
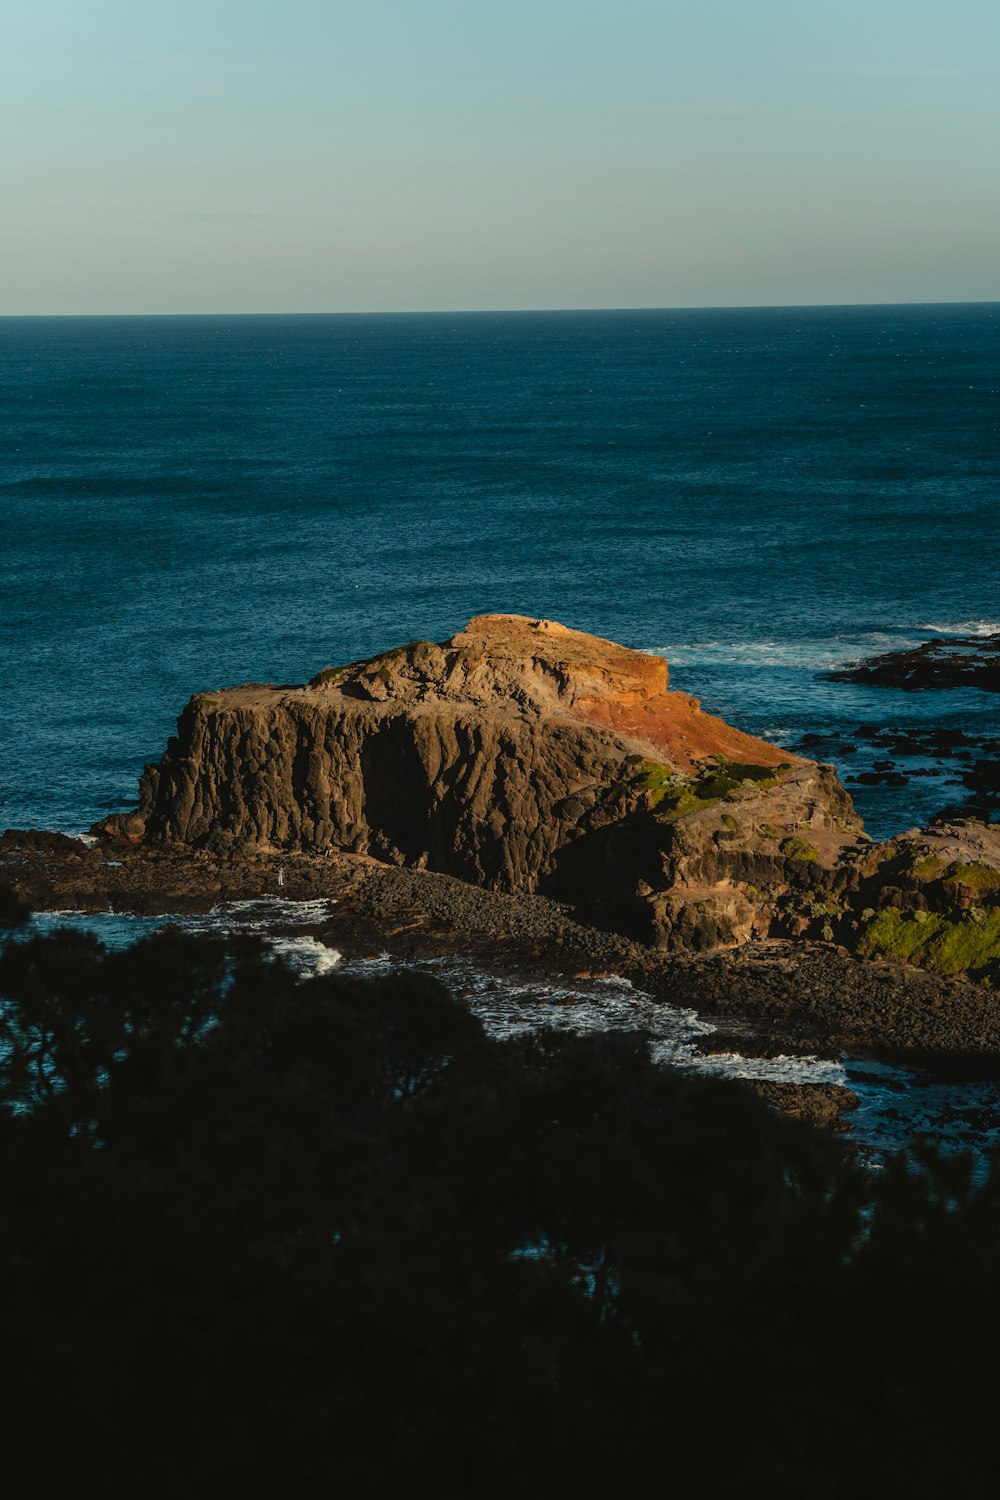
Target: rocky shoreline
(542,802)
(800,993)
(964,765)
(958,661)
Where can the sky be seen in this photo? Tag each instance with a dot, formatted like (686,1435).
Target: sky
(395,155)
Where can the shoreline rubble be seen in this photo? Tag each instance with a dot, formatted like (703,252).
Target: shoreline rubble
(794,991)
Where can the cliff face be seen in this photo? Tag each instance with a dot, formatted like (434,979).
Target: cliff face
(520,755)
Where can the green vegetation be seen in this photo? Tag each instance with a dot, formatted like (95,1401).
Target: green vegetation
(379,666)
(685,802)
(397,653)
(797,847)
(927,867)
(820,908)
(979,877)
(947,943)
(669,791)
(727,775)
(660,781)
(675,794)
(768,831)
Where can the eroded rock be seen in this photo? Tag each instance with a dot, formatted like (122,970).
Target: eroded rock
(519,755)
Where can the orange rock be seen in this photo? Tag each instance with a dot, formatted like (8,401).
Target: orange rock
(612,686)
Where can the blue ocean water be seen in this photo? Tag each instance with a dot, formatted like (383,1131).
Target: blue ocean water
(758,494)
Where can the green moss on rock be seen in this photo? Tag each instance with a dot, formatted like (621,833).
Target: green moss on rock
(659,781)
(797,847)
(328,674)
(946,943)
(675,794)
(927,867)
(687,802)
(977,877)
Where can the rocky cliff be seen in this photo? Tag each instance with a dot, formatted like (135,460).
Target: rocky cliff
(519,755)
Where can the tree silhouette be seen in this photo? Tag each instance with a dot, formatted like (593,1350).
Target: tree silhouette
(265,1235)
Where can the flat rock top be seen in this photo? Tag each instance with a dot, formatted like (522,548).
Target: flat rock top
(507,666)
(968,843)
(517,639)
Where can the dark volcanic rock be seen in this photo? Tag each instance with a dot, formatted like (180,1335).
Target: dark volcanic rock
(822,1104)
(973,762)
(827,996)
(973,661)
(14,912)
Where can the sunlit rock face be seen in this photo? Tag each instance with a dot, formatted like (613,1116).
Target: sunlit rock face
(520,754)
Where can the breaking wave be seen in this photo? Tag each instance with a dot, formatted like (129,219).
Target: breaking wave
(810,655)
(966,627)
(306,955)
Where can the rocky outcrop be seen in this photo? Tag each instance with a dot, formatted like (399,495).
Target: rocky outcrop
(519,755)
(968,661)
(931,897)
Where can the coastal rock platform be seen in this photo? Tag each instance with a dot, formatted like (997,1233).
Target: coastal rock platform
(798,993)
(957,661)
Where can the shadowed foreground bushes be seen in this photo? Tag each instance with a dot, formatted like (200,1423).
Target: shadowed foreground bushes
(272,1237)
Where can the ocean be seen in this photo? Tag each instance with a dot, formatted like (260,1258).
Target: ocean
(758,494)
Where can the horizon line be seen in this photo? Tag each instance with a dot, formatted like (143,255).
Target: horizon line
(520,311)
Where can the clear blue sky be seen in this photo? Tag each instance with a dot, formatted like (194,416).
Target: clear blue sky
(314,155)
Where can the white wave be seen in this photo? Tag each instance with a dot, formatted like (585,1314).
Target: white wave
(306,955)
(510,1007)
(779,1069)
(966,627)
(811,655)
(261,913)
(115,929)
(118,929)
